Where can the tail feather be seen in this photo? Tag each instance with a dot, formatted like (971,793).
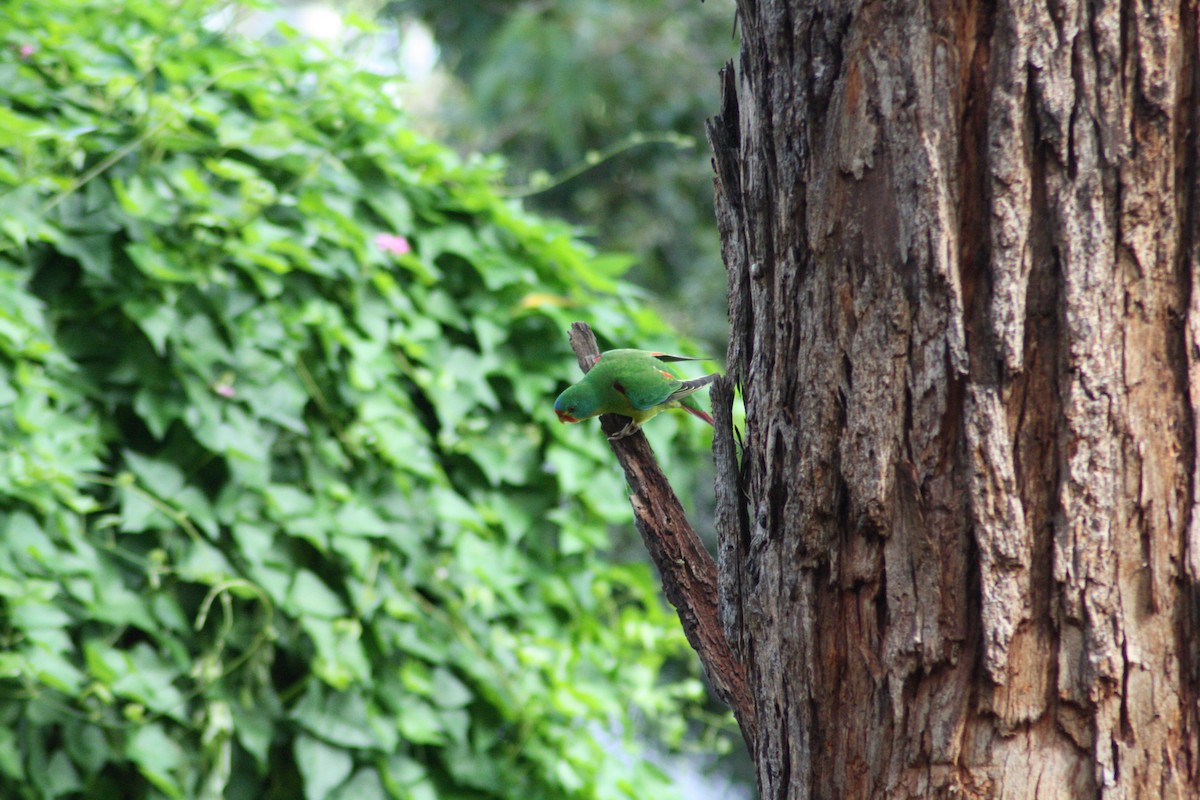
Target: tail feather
(696,412)
(669,357)
(694,385)
(686,402)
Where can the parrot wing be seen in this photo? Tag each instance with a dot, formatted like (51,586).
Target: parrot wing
(644,394)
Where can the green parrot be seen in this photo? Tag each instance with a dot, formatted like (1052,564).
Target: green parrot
(632,383)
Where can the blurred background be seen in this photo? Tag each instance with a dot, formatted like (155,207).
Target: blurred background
(597,106)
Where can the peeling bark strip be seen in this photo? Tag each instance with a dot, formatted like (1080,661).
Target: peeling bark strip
(689,574)
(960,553)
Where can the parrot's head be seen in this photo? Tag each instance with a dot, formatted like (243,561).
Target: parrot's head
(576,403)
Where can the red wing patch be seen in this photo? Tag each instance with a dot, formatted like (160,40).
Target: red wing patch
(666,374)
(620,387)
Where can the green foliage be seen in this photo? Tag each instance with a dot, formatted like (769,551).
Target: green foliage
(284,510)
(556,86)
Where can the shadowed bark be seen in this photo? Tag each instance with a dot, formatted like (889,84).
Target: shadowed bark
(959,554)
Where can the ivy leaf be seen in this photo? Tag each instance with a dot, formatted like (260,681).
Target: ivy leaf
(157,756)
(310,596)
(323,766)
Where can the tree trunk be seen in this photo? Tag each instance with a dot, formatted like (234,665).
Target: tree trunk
(960,555)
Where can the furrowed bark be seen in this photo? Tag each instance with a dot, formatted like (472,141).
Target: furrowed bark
(960,552)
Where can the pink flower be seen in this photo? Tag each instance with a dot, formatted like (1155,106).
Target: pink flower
(224,389)
(392,243)
(26,50)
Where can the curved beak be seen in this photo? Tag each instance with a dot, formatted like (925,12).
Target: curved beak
(564,416)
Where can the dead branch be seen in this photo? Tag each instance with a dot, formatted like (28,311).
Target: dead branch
(689,573)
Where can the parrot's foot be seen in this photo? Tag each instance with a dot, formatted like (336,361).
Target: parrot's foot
(628,430)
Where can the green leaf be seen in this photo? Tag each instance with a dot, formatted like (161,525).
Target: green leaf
(309,595)
(157,756)
(10,760)
(421,724)
(341,718)
(150,681)
(31,614)
(157,320)
(365,785)
(410,778)
(54,670)
(449,691)
(341,660)
(94,254)
(142,200)
(154,262)
(87,746)
(254,731)
(62,776)
(323,766)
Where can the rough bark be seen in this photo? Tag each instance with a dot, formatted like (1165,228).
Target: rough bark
(960,552)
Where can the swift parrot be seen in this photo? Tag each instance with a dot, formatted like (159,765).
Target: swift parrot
(633,383)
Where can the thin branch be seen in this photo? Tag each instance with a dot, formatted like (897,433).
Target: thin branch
(594,159)
(689,573)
